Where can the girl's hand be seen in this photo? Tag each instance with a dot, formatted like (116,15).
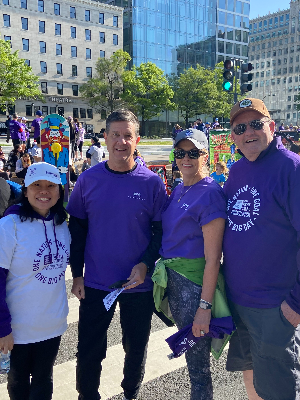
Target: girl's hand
(6,343)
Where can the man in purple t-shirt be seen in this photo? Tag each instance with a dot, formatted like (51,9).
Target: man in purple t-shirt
(36,126)
(262,257)
(16,129)
(115,224)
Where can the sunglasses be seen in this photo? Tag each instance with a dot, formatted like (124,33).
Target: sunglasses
(193,154)
(256,124)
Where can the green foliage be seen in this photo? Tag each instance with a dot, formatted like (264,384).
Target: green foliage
(104,89)
(16,78)
(147,91)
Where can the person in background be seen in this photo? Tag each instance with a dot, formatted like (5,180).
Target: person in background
(95,151)
(81,133)
(36,126)
(281,127)
(219,174)
(34,253)
(35,152)
(201,125)
(16,129)
(261,256)
(176,128)
(7,122)
(72,137)
(76,127)
(177,179)
(216,124)
(22,165)
(13,157)
(27,133)
(138,158)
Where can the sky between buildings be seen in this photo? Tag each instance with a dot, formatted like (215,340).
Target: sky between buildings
(260,8)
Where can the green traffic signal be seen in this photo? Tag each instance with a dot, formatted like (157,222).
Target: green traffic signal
(228,75)
(227,86)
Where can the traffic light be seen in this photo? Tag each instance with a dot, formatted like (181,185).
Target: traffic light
(228,75)
(246,77)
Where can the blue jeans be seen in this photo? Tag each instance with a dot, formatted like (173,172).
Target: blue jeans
(184,297)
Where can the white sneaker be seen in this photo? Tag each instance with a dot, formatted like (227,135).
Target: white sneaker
(76,159)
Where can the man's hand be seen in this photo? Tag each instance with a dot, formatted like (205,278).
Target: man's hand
(6,343)
(290,315)
(137,276)
(78,287)
(201,322)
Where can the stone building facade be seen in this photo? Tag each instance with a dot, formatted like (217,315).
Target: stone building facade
(61,40)
(274,51)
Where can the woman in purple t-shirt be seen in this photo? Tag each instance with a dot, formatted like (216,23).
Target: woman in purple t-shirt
(193,226)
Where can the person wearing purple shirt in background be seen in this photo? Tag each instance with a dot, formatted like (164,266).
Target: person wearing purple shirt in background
(115,224)
(36,126)
(261,256)
(16,130)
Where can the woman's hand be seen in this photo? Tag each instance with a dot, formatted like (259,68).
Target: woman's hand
(6,343)
(201,322)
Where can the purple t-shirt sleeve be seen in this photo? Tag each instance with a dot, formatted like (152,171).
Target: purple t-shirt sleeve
(159,201)
(5,318)
(76,206)
(215,210)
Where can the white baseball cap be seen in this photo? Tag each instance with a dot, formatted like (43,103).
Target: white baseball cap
(42,171)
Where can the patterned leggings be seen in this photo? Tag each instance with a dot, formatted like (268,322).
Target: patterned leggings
(184,296)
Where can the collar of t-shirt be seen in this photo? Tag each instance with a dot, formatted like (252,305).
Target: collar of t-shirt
(119,172)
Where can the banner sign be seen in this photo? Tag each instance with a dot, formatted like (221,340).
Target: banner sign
(222,148)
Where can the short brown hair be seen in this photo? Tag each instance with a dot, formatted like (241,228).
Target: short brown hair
(123,115)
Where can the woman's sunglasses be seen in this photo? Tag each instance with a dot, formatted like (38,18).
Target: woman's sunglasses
(193,154)
(256,124)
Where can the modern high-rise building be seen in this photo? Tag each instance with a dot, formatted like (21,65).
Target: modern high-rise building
(177,34)
(274,50)
(61,40)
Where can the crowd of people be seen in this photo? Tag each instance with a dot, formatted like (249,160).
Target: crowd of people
(254,221)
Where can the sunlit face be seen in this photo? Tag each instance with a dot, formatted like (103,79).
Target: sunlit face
(189,167)
(42,195)
(26,159)
(121,141)
(252,142)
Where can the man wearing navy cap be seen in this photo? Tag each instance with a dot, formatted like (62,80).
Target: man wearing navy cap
(36,126)
(262,257)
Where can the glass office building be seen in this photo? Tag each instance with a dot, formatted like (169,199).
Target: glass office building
(177,34)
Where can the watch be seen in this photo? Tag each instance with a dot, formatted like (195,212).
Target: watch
(205,305)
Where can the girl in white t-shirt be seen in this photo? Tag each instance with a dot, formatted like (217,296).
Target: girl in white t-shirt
(34,253)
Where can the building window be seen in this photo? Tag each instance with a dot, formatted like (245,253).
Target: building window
(27,62)
(58,49)
(57,29)
(56,9)
(89,113)
(61,111)
(73,51)
(87,15)
(115,21)
(42,47)
(23,4)
(288,115)
(88,72)
(88,34)
(60,88)
(44,87)
(25,43)
(24,22)
(43,67)
(45,110)
(41,26)
(82,113)
(28,111)
(5,2)
(102,54)
(53,110)
(75,90)
(278,81)
(115,39)
(59,69)
(101,18)
(88,54)
(41,5)
(75,113)
(74,70)
(6,20)
(73,32)
(7,39)
(72,12)
(102,37)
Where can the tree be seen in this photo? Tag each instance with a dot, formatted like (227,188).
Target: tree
(147,91)
(16,78)
(104,89)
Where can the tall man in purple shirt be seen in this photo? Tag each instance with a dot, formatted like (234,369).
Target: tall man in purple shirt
(36,126)
(115,224)
(16,129)
(262,257)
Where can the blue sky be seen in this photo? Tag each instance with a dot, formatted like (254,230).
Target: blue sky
(262,7)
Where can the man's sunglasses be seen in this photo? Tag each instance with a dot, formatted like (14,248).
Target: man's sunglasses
(193,154)
(256,124)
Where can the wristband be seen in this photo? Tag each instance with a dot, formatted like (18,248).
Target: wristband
(205,305)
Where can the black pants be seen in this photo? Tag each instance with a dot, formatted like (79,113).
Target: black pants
(37,360)
(16,141)
(135,317)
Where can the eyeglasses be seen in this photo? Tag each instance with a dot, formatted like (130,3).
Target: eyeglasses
(256,124)
(193,154)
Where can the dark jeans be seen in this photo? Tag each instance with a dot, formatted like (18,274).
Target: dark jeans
(135,317)
(37,360)
(16,141)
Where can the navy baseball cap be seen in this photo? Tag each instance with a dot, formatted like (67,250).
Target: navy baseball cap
(39,113)
(195,136)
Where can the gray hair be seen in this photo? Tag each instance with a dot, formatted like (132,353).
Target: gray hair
(123,115)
